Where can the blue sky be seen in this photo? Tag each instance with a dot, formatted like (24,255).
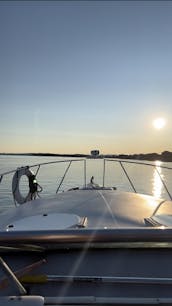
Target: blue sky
(83,75)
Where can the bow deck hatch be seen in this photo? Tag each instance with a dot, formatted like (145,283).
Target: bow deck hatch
(47,222)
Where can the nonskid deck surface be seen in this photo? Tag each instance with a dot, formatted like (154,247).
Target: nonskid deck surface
(102,208)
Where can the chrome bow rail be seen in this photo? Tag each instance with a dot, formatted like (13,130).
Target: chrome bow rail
(122,164)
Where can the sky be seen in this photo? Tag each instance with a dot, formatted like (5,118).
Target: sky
(82,75)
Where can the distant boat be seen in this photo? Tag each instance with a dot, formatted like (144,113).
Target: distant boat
(95,153)
(89,245)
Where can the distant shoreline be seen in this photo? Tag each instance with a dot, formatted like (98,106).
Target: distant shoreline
(165,156)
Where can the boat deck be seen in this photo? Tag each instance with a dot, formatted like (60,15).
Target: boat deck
(102,208)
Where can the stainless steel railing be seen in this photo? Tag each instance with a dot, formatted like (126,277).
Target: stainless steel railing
(122,164)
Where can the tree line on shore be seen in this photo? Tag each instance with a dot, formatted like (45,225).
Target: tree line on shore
(165,156)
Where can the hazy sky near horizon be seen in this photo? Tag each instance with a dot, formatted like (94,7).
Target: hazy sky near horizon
(83,75)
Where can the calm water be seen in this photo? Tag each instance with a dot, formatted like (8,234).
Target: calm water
(145,180)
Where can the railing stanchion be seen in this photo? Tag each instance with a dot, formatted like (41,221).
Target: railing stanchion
(104,164)
(37,170)
(63,176)
(85,173)
(128,177)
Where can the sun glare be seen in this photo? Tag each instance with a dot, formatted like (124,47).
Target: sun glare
(159,123)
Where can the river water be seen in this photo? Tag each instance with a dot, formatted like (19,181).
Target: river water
(146,180)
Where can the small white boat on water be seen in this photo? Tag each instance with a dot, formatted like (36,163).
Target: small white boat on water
(89,245)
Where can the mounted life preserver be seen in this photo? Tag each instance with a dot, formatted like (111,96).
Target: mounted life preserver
(16,182)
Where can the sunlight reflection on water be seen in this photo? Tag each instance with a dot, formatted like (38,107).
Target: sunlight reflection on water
(157,185)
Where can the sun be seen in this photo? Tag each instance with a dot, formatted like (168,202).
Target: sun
(159,123)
